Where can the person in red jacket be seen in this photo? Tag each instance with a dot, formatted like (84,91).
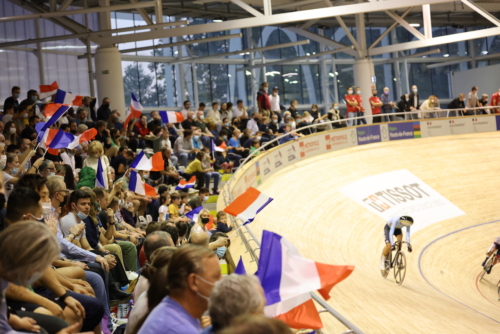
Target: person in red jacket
(495,101)
(141,130)
(361,110)
(376,103)
(352,106)
(263,100)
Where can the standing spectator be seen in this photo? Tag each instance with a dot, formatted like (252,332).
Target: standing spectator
(103,112)
(192,273)
(293,109)
(96,153)
(31,99)
(187,106)
(315,112)
(275,103)
(334,115)
(263,101)
(403,105)
(414,101)
(457,103)
(240,110)
(184,149)
(495,102)
(376,103)
(388,105)
(352,106)
(214,113)
(361,110)
(472,101)
(13,100)
(88,104)
(428,105)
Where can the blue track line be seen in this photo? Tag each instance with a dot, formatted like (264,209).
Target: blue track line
(442,237)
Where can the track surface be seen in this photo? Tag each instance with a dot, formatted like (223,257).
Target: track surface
(440,293)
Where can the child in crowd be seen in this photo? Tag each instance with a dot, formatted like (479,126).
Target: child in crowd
(173,208)
(163,211)
(223,224)
(254,149)
(184,208)
(222,161)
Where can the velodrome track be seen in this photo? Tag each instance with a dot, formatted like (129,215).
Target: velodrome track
(440,293)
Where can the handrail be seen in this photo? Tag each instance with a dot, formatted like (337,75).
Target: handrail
(228,198)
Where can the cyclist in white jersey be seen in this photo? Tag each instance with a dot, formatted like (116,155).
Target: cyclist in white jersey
(393,228)
(495,246)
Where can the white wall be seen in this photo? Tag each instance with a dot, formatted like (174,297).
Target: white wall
(487,79)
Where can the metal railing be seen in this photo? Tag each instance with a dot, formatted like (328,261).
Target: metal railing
(228,197)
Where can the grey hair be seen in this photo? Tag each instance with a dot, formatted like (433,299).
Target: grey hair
(233,296)
(156,240)
(44,165)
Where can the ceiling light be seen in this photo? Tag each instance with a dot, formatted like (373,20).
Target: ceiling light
(415,24)
(446,55)
(484,52)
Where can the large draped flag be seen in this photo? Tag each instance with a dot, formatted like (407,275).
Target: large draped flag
(156,163)
(48,90)
(183,184)
(171,116)
(248,205)
(288,279)
(138,186)
(135,110)
(85,136)
(68,98)
(99,176)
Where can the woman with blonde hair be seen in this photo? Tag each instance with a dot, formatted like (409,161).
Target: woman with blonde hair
(429,105)
(203,219)
(96,153)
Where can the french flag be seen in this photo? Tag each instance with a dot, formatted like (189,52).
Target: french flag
(136,185)
(288,279)
(85,136)
(135,110)
(221,148)
(99,177)
(68,98)
(61,110)
(156,163)
(183,184)
(61,139)
(48,90)
(193,215)
(248,205)
(171,117)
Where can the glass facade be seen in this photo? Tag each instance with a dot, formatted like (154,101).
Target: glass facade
(158,83)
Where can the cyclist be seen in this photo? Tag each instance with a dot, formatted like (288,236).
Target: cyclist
(393,228)
(494,246)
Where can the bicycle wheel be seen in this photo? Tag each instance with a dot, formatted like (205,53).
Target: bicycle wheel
(399,268)
(387,266)
(486,267)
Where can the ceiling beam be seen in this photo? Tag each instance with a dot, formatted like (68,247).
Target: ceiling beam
(388,30)
(321,39)
(348,33)
(247,8)
(142,12)
(64,5)
(482,12)
(405,24)
(275,19)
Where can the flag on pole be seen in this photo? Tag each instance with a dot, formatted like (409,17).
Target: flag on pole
(248,205)
(61,139)
(288,278)
(99,177)
(68,98)
(183,184)
(55,117)
(221,148)
(85,136)
(135,110)
(138,186)
(48,90)
(240,268)
(171,117)
(156,163)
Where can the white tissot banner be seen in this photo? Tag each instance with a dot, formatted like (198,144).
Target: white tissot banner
(400,193)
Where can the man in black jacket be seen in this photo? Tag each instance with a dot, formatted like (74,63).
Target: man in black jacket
(414,101)
(103,112)
(457,103)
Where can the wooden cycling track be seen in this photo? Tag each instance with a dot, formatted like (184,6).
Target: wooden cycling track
(440,293)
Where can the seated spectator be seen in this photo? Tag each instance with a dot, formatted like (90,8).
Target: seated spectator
(223,162)
(223,223)
(13,170)
(163,213)
(184,206)
(189,123)
(226,125)
(206,165)
(184,149)
(197,201)
(240,110)
(169,175)
(182,229)
(199,123)
(203,220)
(10,133)
(197,140)
(120,161)
(173,208)
(290,135)
(104,137)
(214,113)
(141,128)
(254,149)
(458,103)
(195,168)
(155,121)
(235,149)
(252,324)
(153,280)
(334,115)
(193,270)
(225,112)
(96,153)
(274,125)
(234,296)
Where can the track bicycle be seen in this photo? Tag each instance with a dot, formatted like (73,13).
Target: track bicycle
(489,264)
(398,263)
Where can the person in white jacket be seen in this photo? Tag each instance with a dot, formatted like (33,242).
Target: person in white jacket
(429,105)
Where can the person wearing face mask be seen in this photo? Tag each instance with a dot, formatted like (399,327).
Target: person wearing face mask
(403,105)
(388,105)
(495,102)
(235,149)
(212,174)
(103,112)
(29,131)
(361,110)
(226,125)
(428,105)
(214,114)
(189,122)
(352,106)
(10,133)
(202,197)
(334,115)
(253,123)
(88,105)
(13,100)
(274,125)
(13,170)
(414,101)
(200,123)
(275,102)
(293,109)
(31,98)
(458,103)
(376,103)
(193,271)
(263,101)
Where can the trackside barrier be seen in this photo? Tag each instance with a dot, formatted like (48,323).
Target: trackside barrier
(256,169)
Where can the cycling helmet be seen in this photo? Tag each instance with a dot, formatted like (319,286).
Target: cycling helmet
(406,220)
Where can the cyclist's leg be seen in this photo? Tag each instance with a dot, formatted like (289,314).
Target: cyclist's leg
(488,254)
(399,234)
(497,256)
(387,240)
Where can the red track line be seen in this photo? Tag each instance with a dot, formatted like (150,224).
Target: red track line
(479,290)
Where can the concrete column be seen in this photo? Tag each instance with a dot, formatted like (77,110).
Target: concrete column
(108,64)
(364,70)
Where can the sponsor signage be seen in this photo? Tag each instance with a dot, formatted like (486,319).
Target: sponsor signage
(498,122)
(312,146)
(400,193)
(266,166)
(484,124)
(250,177)
(460,126)
(368,134)
(435,128)
(292,153)
(406,130)
(257,171)
(279,158)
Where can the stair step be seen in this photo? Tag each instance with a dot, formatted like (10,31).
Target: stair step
(212,199)
(226,177)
